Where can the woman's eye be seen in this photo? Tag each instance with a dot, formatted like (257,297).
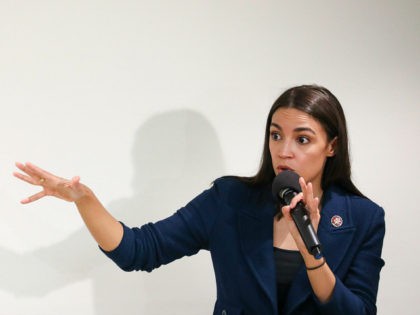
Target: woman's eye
(303,140)
(275,136)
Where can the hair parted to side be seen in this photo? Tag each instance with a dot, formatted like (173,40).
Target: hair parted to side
(323,106)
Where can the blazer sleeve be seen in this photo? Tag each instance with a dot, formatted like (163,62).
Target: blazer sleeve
(356,292)
(182,234)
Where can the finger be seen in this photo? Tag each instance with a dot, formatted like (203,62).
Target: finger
(313,207)
(316,203)
(20,166)
(24,168)
(309,197)
(74,183)
(37,170)
(286,212)
(33,197)
(303,186)
(295,200)
(26,178)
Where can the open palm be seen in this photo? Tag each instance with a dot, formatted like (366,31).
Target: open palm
(52,185)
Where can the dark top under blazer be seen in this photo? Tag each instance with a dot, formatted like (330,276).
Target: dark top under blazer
(235,223)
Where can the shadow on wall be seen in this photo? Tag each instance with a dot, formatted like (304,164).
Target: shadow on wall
(176,155)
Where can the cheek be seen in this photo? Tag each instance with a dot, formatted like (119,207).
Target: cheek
(311,161)
(316,158)
(271,149)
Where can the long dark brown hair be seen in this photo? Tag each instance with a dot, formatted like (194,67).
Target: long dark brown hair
(323,106)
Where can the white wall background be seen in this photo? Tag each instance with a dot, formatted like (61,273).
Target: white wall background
(149,101)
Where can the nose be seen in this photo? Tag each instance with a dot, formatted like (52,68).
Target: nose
(285,150)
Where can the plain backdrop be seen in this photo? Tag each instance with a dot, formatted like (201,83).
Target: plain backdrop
(150,101)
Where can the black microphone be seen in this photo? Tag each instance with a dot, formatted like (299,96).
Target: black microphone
(285,187)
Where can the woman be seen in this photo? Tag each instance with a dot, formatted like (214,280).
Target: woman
(260,261)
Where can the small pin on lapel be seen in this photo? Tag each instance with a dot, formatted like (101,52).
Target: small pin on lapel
(336,221)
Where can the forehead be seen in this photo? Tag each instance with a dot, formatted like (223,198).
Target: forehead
(294,118)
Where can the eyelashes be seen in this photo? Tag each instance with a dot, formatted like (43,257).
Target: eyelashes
(276,136)
(303,140)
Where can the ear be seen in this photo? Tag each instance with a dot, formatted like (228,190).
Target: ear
(331,147)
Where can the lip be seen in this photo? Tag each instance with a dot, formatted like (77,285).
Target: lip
(281,168)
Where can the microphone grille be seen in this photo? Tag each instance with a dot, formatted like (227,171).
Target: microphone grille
(285,179)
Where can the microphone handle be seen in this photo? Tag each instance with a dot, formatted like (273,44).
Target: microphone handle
(306,230)
(303,223)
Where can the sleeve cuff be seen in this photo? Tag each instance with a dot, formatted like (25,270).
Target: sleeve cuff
(119,254)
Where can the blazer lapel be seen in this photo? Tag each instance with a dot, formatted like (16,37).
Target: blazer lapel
(335,241)
(255,226)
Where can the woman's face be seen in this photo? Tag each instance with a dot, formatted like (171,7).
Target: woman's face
(298,142)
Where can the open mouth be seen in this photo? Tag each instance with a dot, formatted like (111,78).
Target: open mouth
(282,168)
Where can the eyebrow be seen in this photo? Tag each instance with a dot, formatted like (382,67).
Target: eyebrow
(298,129)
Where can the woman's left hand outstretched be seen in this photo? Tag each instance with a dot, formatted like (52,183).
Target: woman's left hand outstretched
(106,230)
(70,190)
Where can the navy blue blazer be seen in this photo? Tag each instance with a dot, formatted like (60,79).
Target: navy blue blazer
(235,223)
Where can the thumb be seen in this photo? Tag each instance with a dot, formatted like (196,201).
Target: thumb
(75,180)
